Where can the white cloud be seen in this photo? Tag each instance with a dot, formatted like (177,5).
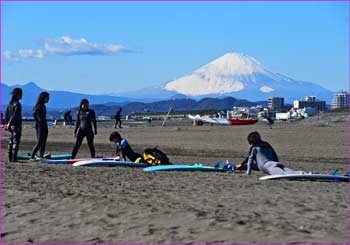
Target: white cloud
(266,89)
(24,54)
(69,46)
(66,46)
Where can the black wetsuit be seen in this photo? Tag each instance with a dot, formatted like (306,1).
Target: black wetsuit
(83,128)
(127,151)
(39,114)
(13,117)
(68,118)
(118,119)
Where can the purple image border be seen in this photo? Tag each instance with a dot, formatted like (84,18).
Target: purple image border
(348,133)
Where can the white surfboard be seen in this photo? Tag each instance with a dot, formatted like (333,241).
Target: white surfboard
(101,162)
(323,177)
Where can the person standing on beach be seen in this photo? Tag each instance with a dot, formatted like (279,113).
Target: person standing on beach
(263,157)
(41,128)
(270,122)
(118,118)
(83,128)
(68,118)
(13,123)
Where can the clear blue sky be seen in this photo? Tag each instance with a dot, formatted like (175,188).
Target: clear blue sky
(307,41)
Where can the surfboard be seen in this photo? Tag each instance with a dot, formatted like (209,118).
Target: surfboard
(53,157)
(322,177)
(71,161)
(179,167)
(101,162)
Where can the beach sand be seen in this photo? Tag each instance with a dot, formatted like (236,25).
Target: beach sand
(63,204)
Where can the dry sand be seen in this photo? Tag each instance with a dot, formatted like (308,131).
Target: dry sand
(62,204)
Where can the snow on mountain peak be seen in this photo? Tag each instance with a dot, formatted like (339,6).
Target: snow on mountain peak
(233,64)
(226,74)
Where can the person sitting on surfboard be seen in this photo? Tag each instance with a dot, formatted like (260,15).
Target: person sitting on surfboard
(124,148)
(262,157)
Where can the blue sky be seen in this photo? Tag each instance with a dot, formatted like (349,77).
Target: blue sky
(111,47)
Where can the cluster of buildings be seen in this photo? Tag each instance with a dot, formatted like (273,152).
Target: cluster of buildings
(277,109)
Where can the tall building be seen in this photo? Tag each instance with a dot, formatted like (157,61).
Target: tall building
(310,102)
(275,103)
(340,100)
(310,98)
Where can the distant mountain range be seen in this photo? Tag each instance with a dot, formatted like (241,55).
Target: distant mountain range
(237,75)
(156,107)
(232,75)
(61,99)
(108,105)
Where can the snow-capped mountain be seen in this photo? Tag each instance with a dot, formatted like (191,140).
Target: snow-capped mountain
(242,76)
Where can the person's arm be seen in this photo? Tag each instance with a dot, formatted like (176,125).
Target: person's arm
(9,124)
(243,165)
(77,125)
(123,147)
(251,158)
(7,115)
(93,114)
(38,114)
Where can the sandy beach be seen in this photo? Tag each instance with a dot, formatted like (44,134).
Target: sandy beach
(63,204)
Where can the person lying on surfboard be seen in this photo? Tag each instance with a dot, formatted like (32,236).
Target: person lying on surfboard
(263,157)
(124,148)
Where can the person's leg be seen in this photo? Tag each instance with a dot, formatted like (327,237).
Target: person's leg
(90,140)
(276,168)
(44,135)
(16,143)
(10,146)
(120,123)
(80,137)
(38,144)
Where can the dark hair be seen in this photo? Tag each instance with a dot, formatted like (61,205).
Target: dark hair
(83,101)
(42,97)
(114,135)
(254,138)
(16,92)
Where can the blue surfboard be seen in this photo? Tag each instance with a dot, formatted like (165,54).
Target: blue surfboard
(101,162)
(194,167)
(53,157)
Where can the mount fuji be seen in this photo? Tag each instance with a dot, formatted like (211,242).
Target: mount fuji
(237,75)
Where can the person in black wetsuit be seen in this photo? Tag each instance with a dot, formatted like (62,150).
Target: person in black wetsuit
(83,128)
(41,128)
(68,118)
(124,148)
(118,118)
(13,123)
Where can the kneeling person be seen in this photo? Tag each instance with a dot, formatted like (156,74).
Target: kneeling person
(124,148)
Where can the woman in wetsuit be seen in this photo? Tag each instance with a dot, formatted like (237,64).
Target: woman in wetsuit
(39,114)
(263,157)
(13,123)
(83,128)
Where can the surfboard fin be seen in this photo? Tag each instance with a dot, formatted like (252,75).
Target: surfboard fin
(335,172)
